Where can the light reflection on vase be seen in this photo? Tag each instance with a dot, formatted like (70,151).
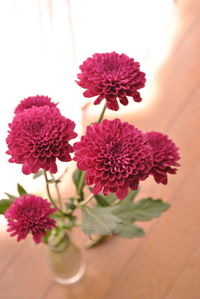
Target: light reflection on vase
(66,262)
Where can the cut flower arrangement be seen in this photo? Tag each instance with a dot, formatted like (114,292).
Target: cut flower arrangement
(112,158)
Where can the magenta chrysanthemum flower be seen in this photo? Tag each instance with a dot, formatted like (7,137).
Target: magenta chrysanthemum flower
(30,214)
(38,136)
(165,155)
(111,76)
(34,101)
(115,156)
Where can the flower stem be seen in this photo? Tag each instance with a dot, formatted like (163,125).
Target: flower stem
(86,200)
(116,202)
(57,191)
(62,175)
(102,114)
(82,176)
(80,183)
(49,195)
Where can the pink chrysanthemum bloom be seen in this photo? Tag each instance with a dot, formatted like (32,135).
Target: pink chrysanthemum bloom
(34,101)
(165,155)
(38,136)
(111,76)
(30,214)
(115,156)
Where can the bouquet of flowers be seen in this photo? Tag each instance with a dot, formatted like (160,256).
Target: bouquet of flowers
(112,158)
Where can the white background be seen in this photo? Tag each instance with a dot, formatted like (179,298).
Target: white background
(42,43)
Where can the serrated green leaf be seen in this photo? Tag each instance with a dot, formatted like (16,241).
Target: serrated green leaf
(21,190)
(98,220)
(149,208)
(142,210)
(123,210)
(38,174)
(10,196)
(4,205)
(129,230)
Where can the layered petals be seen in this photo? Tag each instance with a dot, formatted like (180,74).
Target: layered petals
(112,77)
(115,156)
(34,101)
(38,136)
(165,156)
(30,214)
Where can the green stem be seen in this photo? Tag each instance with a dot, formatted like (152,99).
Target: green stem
(57,191)
(86,200)
(116,202)
(81,182)
(62,175)
(49,194)
(102,114)
(82,177)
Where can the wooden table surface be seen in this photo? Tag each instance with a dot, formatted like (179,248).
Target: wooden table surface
(165,264)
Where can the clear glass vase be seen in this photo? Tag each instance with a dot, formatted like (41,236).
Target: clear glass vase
(65,261)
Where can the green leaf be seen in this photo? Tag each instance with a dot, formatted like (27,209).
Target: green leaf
(70,204)
(4,205)
(72,218)
(129,230)
(131,195)
(142,210)
(21,190)
(46,237)
(56,215)
(38,174)
(104,201)
(76,177)
(10,196)
(56,237)
(99,220)
(101,200)
(96,241)
(123,210)
(149,208)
